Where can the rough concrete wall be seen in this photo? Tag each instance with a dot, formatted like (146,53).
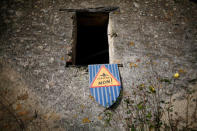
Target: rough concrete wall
(155,39)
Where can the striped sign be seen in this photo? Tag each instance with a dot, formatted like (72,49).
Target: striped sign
(104,81)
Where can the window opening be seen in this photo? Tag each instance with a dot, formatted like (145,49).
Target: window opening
(92,40)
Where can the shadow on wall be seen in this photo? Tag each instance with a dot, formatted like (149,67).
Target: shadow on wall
(195,1)
(19,109)
(3,15)
(119,99)
(8,12)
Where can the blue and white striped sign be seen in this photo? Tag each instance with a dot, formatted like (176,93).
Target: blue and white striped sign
(104,81)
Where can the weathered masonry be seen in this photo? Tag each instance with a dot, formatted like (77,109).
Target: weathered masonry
(47,45)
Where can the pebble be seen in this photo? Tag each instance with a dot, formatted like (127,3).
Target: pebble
(136,4)
(37,72)
(42,64)
(44,10)
(155,36)
(40,47)
(51,60)
(19,13)
(47,49)
(61,71)
(47,86)
(134,9)
(18,30)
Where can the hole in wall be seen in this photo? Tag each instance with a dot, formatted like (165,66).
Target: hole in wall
(92,41)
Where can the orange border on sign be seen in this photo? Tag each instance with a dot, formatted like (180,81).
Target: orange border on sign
(103,66)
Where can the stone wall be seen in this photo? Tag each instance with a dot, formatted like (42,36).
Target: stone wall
(155,39)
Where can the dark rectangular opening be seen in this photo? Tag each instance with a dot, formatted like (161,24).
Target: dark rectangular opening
(92,41)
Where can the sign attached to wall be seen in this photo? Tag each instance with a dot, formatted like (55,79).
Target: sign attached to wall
(104,83)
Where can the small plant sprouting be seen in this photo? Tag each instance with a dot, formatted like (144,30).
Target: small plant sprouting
(152,101)
(108,117)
